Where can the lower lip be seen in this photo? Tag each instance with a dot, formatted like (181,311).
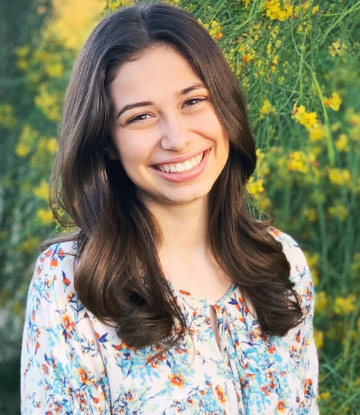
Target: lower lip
(186,176)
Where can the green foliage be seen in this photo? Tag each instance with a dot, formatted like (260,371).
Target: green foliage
(27,149)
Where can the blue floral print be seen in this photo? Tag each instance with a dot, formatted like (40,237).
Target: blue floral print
(72,363)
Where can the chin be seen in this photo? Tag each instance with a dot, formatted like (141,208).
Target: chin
(179,197)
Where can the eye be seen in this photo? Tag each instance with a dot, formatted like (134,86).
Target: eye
(193,101)
(140,117)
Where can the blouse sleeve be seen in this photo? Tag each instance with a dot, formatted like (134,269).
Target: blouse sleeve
(301,337)
(62,371)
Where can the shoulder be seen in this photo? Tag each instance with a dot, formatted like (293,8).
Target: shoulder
(299,271)
(291,249)
(53,276)
(58,256)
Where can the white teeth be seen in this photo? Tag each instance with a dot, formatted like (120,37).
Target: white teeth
(187,165)
(182,167)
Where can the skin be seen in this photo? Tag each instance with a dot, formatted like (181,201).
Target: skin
(170,124)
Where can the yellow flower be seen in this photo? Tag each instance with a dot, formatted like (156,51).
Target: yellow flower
(275,12)
(265,202)
(306,118)
(22,149)
(23,64)
(345,305)
(41,56)
(262,168)
(354,119)
(45,216)
(215,30)
(248,57)
(342,143)
(42,191)
(319,338)
(335,48)
(312,261)
(317,132)
(274,63)
(7,117)
(255,187)
(267,108)
(52,145)
(339,177)
(333,102)
(311,215)
(321,302)
(48,103)
(27,140)
(269,48)
(275,32)
(338,211)
(30,244)
(23,51)
(298,161)
(54,70)
(325,395)
(315,9)
(246,3)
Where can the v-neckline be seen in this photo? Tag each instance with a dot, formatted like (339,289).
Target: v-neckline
(187,295)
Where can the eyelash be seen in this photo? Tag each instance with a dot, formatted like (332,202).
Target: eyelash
(138,117)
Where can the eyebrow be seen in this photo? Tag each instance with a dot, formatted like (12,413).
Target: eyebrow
(147,103)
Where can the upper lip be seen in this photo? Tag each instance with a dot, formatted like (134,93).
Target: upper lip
(179,159)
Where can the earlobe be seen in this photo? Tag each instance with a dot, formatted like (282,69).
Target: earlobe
(111,153)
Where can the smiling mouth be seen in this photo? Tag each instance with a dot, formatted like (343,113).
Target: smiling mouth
(181,167)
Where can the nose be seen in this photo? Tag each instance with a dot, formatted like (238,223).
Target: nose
(175,135)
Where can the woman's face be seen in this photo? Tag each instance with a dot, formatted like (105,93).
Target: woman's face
(166,132)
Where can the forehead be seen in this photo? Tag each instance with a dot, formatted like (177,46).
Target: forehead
(159,70)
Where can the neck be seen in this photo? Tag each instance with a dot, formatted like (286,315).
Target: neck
(183,227)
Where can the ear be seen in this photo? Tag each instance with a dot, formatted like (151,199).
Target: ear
(110,152)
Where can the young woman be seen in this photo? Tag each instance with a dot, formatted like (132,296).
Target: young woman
(169,298)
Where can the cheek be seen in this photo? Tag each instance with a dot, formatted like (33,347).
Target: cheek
(211,127)
(134,150)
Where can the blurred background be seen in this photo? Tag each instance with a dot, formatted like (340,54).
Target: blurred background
(298,63)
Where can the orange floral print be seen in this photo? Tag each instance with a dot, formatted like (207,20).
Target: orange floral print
(281,406)
(220,394)
(84,376)
(69,326)
(191,374)
(176,380)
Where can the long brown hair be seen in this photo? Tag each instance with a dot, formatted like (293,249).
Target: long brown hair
(120,278)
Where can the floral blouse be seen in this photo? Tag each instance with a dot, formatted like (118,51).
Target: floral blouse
(72,363)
